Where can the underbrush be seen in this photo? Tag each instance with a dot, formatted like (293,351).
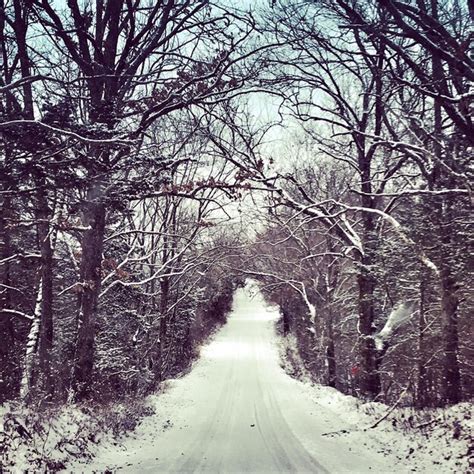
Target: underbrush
(442,437)
(48,439)
(290,359)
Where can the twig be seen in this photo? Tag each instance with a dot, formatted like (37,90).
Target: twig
(390,409)
(434,420)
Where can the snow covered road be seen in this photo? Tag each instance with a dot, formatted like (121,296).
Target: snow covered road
(237,411)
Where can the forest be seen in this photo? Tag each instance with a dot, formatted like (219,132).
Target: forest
(154,155)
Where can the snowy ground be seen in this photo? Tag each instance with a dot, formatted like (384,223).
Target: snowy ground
(438,440)
(238,411)
(47,439)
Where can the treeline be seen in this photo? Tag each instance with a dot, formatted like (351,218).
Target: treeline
(128,136)
(111,255)
(368,240)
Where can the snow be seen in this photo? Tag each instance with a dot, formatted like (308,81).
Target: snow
(33,441)
(42,439)
(424,441)
(237,410)
(399,315)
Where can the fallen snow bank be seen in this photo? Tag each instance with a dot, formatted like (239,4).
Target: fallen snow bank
(429,440)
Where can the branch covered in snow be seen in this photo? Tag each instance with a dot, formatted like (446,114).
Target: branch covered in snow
(400,315)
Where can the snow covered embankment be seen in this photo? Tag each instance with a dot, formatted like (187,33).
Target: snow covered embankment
(49,439)
(430,440)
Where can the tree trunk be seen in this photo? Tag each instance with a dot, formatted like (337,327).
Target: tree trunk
(452,392)
(331,353)
(9,372)
(286,321)
(369,374)
(9,364)
(164,301)
(422,388)
(370,384)
(32,346)
(90,274)
(40,337)
(169,248)
(45,231)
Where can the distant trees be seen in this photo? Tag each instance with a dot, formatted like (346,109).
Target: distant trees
(124,137)
(434,56)
(82,84)
(381,92)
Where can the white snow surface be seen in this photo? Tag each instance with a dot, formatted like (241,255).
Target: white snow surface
(238,411)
